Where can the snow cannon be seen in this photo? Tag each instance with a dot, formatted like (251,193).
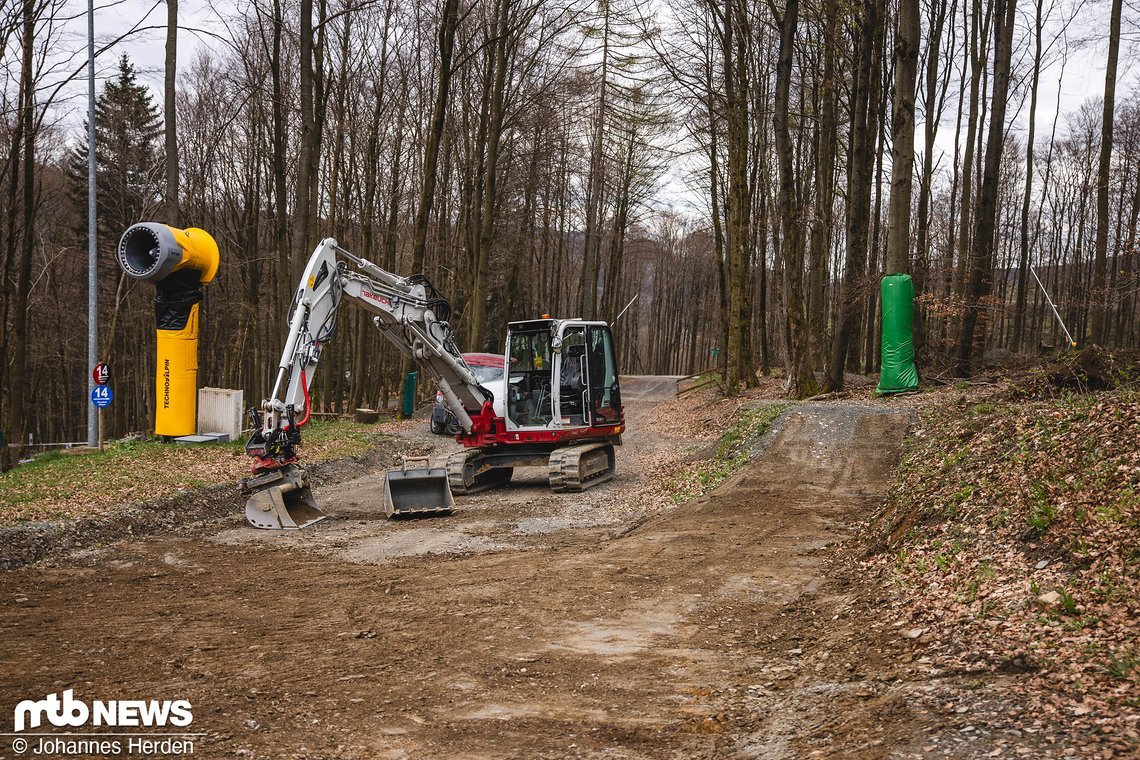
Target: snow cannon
(179,262)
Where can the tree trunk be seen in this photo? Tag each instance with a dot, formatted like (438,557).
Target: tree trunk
(802,379)
(738,198)
(825,190)
(306,146)
(170,124)
(860,164)
(18,417)
(1100,296)
(447,27)
(982,250)
(902,139)
(285,281)
(1016,339)
(478,299)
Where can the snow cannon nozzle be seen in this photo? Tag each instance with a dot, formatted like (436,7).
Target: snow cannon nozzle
(151,251)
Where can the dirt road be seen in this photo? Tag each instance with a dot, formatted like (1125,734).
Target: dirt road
(606,624)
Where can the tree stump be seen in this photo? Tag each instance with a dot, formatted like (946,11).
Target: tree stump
(366,416)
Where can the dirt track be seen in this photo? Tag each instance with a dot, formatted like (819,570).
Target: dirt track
(527,625)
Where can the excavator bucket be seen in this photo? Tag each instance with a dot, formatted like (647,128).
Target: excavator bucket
(281,500)
(417,488)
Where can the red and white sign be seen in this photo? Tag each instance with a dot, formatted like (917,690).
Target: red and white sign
(101,374)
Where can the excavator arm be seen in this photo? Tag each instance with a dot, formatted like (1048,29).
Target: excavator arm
(407,310)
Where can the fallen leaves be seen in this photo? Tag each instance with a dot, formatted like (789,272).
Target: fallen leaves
(1012,538)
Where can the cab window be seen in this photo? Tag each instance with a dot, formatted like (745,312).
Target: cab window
(605,401)
(529,390)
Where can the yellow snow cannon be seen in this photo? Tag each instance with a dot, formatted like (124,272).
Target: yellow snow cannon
(179,262)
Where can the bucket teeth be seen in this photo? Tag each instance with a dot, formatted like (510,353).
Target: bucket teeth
(281,500)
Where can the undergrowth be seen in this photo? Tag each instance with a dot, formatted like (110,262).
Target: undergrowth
(729,453)
(1012,528)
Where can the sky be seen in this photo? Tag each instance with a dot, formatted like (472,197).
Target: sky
(1079,79)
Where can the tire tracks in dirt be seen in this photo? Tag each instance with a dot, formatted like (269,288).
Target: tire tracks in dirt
(718,628)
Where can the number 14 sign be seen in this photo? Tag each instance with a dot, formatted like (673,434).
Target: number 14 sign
(101,396)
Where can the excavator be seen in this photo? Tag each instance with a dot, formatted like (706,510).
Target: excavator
(557,406)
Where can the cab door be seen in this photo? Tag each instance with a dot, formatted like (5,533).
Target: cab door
(604,393)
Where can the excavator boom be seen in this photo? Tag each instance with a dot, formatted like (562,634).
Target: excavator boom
(560,396)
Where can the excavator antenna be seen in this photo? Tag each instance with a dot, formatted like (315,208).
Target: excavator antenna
(281,500)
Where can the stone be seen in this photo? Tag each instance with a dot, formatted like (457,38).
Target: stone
(190,440)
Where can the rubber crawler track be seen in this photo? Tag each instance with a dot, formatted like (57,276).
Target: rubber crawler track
(567,465)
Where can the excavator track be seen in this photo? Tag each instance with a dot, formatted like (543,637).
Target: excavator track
(576,468)
(464,476)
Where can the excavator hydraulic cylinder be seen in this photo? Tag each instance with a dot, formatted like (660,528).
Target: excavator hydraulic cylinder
(179,262)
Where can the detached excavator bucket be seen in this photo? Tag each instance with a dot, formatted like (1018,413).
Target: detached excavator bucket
(281,500)
(415,487)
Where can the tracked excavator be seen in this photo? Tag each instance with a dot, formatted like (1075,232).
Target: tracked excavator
(558,405)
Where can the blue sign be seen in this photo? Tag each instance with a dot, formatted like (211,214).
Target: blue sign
(101,396)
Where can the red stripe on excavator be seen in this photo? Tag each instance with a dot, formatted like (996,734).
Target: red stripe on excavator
(489,430)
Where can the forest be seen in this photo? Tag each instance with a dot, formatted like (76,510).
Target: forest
(526,156)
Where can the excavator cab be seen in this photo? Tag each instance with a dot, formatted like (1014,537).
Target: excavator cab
(562,374)
(530,375)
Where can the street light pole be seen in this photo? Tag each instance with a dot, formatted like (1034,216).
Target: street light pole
(92,295)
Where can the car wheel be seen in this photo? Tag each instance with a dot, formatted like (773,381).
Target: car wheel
(436,427)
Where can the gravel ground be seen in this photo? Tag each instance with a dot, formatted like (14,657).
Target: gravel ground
(526,514)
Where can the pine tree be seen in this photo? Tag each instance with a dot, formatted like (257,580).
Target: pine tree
(128,157)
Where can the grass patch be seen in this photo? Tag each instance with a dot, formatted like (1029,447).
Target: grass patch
(58,485)
(1121,665)
(1041,512)
(729,454)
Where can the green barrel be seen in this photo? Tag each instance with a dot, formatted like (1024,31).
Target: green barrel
(898,373)
(410,393)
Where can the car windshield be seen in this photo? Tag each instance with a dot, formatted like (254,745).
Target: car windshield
(487,375)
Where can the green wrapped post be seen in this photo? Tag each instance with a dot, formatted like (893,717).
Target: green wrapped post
(898,372)
(410,393)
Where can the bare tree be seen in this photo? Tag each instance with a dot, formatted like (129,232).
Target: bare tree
(1097,321)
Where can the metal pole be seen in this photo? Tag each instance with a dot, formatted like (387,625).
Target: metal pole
(623,311)
(92,295)
(1049,301)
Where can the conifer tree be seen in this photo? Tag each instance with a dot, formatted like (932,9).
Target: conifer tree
(128,156)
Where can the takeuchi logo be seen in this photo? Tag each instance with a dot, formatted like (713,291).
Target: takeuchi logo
(71,712)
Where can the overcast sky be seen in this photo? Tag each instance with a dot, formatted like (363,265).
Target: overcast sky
(1081,78)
